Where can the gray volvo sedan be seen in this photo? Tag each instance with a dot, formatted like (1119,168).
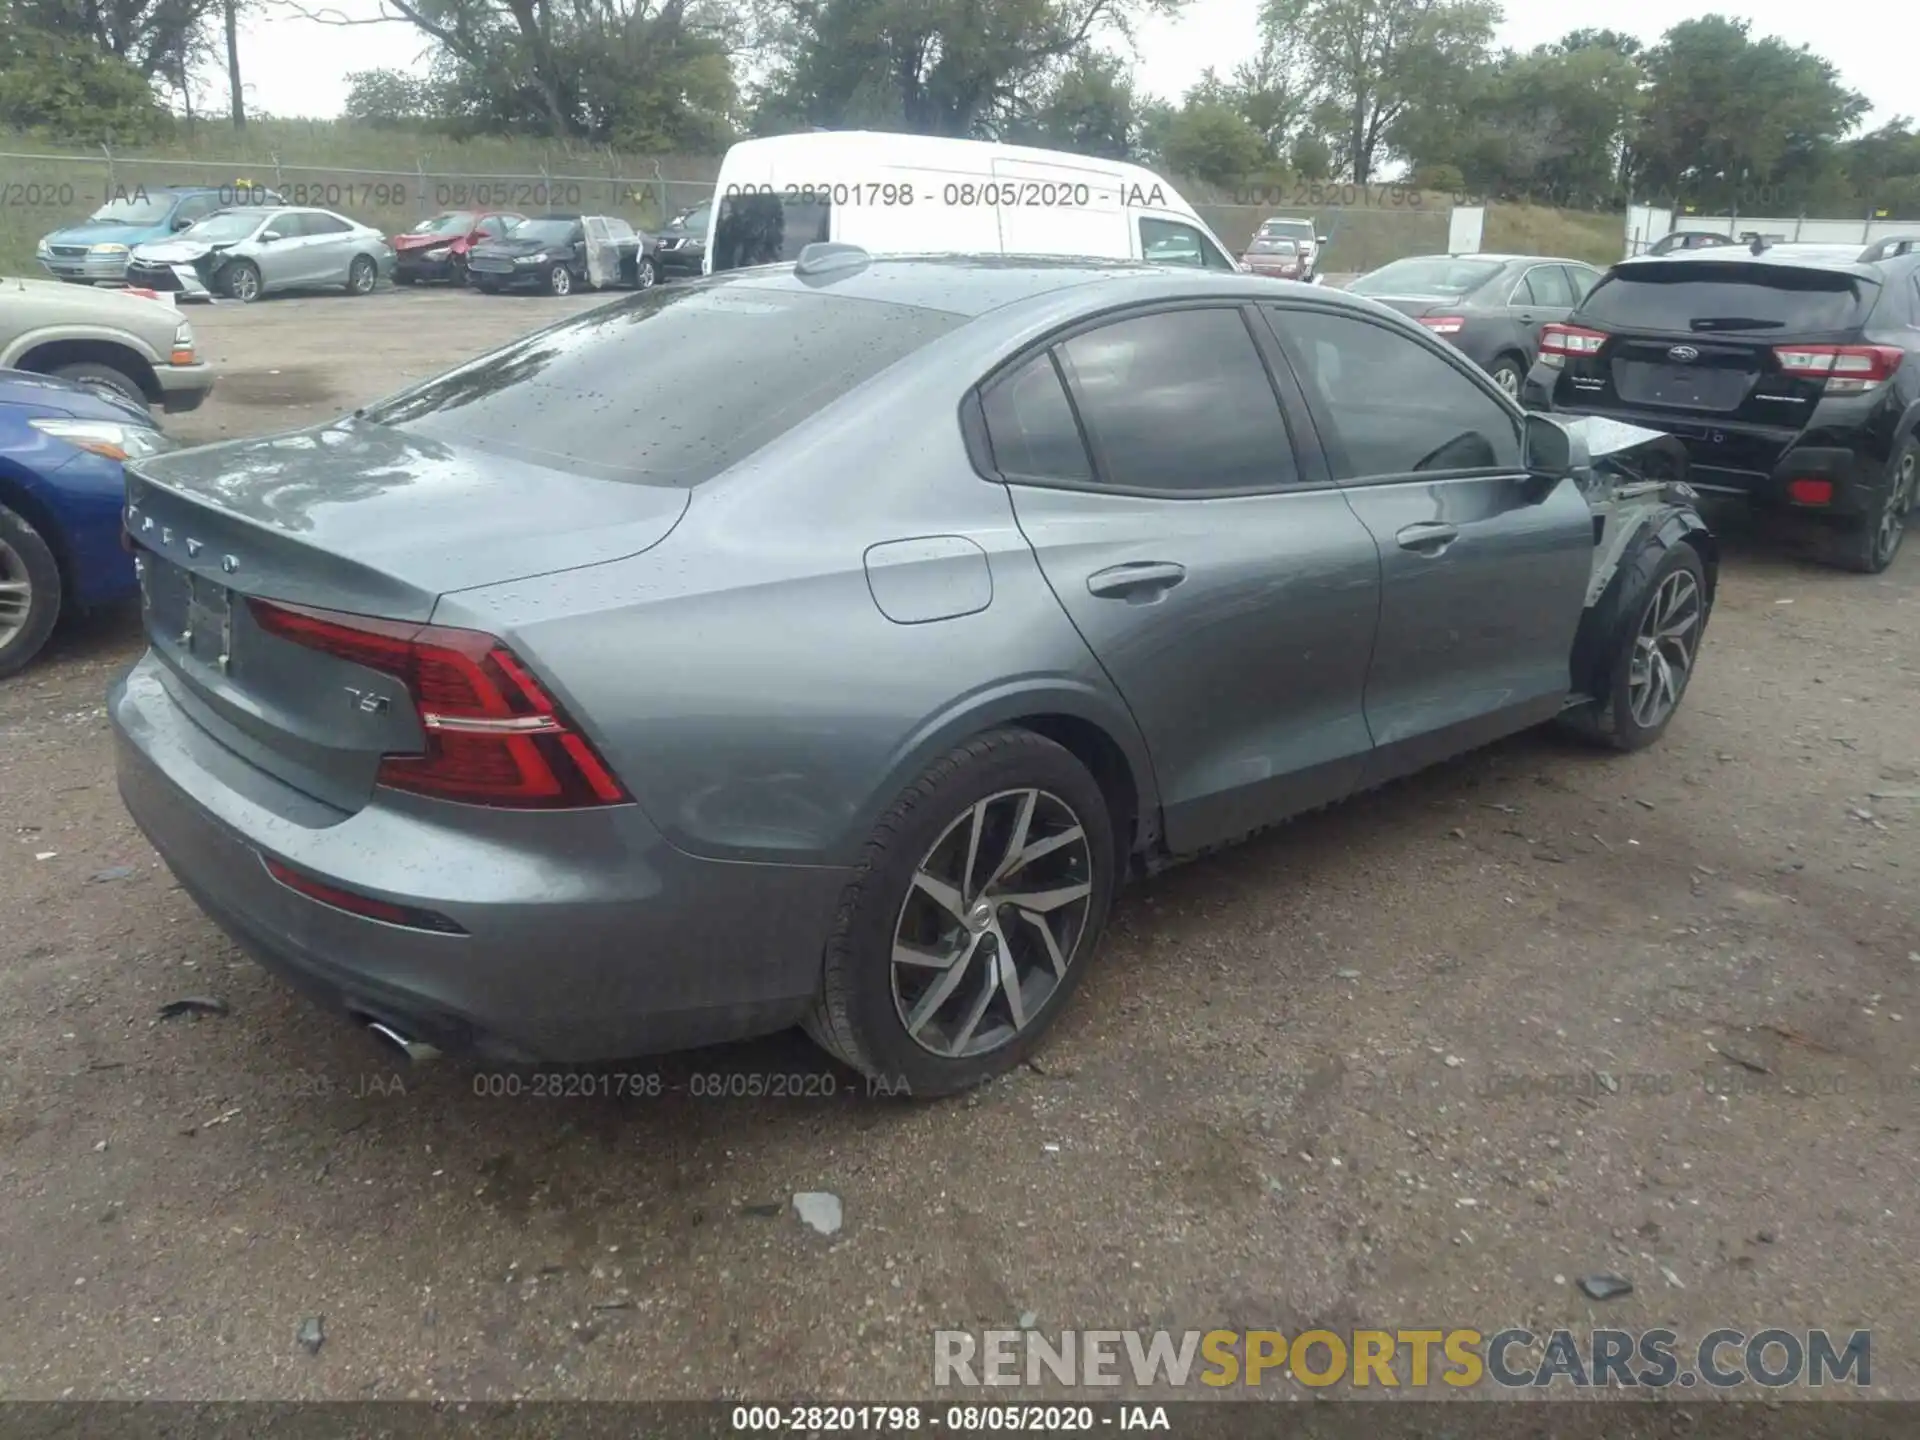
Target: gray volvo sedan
(824,643)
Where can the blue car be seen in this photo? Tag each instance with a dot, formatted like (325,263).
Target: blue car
(61,496)
(96,252)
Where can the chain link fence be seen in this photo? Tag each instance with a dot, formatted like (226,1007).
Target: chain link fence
(40,193)
(1365,226)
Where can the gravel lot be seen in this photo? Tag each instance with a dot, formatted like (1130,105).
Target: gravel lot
(1424,1059)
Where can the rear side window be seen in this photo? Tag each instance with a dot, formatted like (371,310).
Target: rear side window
(1167,242)
(318,222)
(669,388)
(1031,426)
(1546,285)
(1180,401)
(768,229)
(1715,296)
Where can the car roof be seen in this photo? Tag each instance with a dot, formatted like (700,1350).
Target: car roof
(973,285)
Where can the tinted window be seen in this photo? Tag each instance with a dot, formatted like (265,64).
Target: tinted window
(1031,425)
(1582,280)
(318,222)
(1547,285)
(196,207)
(493,226)
(1180,401)
(548,231)
(768,229)
(1715,295)
(1398,408)
(669,388)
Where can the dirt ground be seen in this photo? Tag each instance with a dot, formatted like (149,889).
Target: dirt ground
(1424,1059)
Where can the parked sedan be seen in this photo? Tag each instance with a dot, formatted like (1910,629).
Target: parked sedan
(578,703)
(61,492)
(1491,306)
(97,250)
(562,253)
(437,248)
(247,253)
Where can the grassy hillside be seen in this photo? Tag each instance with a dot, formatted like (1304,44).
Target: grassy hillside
(393,178)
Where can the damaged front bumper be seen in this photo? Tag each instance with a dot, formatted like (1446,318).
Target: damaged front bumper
(182,279)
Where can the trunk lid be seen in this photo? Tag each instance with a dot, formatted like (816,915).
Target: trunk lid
(1701,337)
(355,517)
(1417,305)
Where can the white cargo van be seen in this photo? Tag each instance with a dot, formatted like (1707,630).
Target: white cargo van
(920,194)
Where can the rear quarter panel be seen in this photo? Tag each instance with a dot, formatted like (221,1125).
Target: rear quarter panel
(741,678)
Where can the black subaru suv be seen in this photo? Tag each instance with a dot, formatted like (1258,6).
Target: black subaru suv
(1790,372)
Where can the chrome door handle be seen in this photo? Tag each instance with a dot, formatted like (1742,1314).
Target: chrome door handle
(1428,537)
(1136,580)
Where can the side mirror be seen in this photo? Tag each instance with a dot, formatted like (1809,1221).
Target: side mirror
(179,223)
(1550,450)
(1320,239)
(267,237)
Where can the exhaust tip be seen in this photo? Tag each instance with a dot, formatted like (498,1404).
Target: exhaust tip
(418,1052)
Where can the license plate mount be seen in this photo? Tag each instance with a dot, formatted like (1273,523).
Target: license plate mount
(208,634)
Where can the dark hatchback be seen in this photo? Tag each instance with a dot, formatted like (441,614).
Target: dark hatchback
(1791,373)
(1491,307)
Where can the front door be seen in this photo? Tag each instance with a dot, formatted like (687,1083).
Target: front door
(1221,580)
(1483,570)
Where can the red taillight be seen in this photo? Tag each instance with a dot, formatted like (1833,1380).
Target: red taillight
(1847,369)
(1810,492)
(355,903)
(494,736)
(1558,341)
(1444,324)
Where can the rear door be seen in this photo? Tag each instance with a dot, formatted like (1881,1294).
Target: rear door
(1543,295)
(330,246)
(1692,344)
(1218,575)
(1483,574)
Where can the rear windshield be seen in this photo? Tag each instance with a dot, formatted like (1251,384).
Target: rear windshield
(669,388)
(1705,296)
(767,229)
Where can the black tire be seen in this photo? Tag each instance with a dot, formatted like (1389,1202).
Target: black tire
(27,552)
(855,1017)
(1508,373)
(362,275)
(242,281)
(1608,719)
(559,281)
(107,377)
(459,273)
(487,287)
(1869,544)
(400,277)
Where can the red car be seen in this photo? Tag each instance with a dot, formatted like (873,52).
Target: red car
(1273,257)
(436,249)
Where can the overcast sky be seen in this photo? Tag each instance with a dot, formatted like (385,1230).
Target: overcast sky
(297,67)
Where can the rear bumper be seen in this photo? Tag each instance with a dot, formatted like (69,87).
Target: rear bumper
(602,943)
(1751,464)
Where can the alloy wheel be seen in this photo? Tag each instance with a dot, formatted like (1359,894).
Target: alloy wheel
(994,917)
(16,593)
(561,281)
(1893,519)
(1663,650)
(361,276)
(1507,378)
(246,284)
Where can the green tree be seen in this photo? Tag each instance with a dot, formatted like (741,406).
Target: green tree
(1377,60)
(1730,120)
(933,67)
(390,100)
(1212,141)
(156,38)
(67,87)
(1090,109)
